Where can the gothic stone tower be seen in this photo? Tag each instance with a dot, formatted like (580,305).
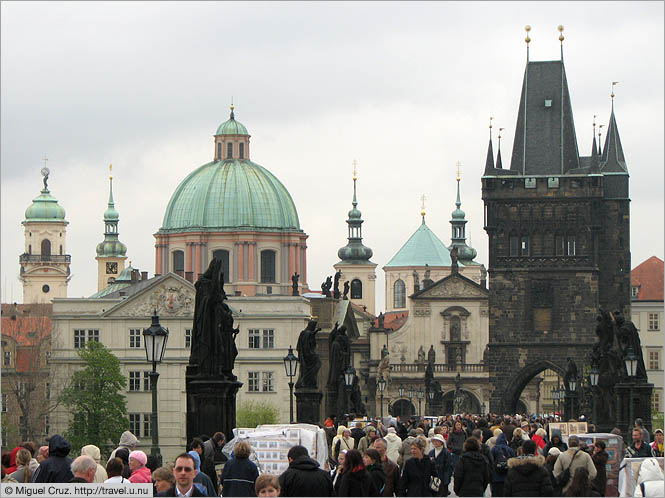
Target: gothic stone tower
(558,227)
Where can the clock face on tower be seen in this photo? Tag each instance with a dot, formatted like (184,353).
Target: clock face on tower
(111,268)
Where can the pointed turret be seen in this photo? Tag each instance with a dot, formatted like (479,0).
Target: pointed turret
(355,251)
(499,163)
(458,223)
(595,160)
(489,162)
(613,160)
(111,253)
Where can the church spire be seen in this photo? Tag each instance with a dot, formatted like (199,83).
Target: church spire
(458,223)
(613,159)
(355,251)
(111,246)
(595,162)
(499,164)
(489,162)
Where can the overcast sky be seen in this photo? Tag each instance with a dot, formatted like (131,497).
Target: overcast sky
(404,88)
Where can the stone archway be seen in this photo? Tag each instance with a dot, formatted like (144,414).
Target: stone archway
(514,387)
(402,408)
(471,404)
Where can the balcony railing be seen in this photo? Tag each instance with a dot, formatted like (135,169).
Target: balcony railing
(438,367)
(41,258)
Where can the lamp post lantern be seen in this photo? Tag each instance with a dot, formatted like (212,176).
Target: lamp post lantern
(430,397)
(154,339)
(631,367)
(349,376)
(421,395)
(291,367)
(400,390)
(593,377)
(381,384)
(410,393)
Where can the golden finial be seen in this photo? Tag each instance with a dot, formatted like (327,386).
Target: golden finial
(560,28)
(355,170)
(110,171)
(612,94)
(459,166)
(491,118)
(500,130)
(527,28)
(422,205)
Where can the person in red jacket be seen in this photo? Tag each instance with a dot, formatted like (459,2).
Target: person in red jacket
(540,439)
(140,473)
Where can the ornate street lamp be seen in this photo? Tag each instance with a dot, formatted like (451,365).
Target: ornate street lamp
(154,339)
(430,396)
(631,367)
(349,375)
(410,396)
(400,390)
(291,367)
(421,396)
(381,384)
(593,377)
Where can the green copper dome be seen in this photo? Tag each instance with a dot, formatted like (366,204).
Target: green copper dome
(423,247)
(231,127)
(230,195)
(123,281)
(111,214)
(111,248)
(45,208)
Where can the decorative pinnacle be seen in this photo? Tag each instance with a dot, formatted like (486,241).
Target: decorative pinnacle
(459,166)
(110,171)
(500,130)
(612,94)
(527,28)
(232,107)
(560,28)
(491,118)
(422,206)
(45,159)
(355,170)
(594,124)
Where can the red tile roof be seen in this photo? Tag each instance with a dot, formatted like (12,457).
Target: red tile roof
(648,277)
(27,324)
(393,320)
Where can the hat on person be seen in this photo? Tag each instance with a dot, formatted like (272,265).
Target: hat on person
(413,432)
(524,423)
(391,430)
(497,432)
(139,456)
(438,437)
(658,431)
(554,451)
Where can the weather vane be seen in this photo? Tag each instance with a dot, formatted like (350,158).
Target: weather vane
(422,206)
(459,166)
(355,170)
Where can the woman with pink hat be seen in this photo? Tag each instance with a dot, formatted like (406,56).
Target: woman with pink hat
(140,473)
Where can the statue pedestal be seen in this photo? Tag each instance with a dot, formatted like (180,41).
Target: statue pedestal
(308,405)
(211,405)
(633,400)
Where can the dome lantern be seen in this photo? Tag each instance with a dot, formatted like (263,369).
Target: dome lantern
(355,251)
(231,140)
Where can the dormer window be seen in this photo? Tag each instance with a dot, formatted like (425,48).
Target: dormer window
(241,150)
(229,150)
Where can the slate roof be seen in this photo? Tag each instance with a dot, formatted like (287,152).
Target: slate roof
(648,277)
(423,247)
(613,160)
(545,141)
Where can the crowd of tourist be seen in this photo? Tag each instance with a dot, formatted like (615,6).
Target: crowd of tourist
(466,455)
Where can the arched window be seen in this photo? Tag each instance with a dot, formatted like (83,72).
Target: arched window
(219,150)
(178,261)
(399,294)
(241,150)
(571,245)
(229,150)
(455,328)
(559,245)
(46,248)
(268,266)
(356,289)
(223,256)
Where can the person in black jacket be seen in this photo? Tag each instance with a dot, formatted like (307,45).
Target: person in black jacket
(527,475)
(555,441)
(373,464)
(443,463)
(240,473)
(57,467)
(207,464)
(600,457)
(356,481)
(417,472)
(472,474)
(304,477)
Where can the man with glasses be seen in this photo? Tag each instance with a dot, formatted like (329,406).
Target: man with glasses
(184,471)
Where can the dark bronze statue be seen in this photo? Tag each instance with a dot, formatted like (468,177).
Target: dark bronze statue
(336,293)
(382,319)
(346,290)
(384,351)
(294,287)
(357,405)
(629,338)
(326,286)
(571,372)
(310,363)
(340,354)
(431,355)
(454,257)
(213,336)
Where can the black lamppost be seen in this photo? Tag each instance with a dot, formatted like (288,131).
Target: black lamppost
(154,339)
(381,384)
(593,377)
(400,390)
(349,376)
(411,396)
(631,367)
(291,367)
(421,395)
(571,394)
(430,396)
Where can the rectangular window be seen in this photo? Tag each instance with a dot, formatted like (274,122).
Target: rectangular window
(268,339)
(188,338)
(654,321)
(93,335)
(524,245)
(229,150)
(4,405)
(571,245)
(559,245)
(655,401)
(241,150)
(134,381)
(79,339)
(514,245)
(7,359)
(634,290)
(146,380)
(146,425)
(253,382)
(47,389)
(268,382)
(47,425)
(654,360)
(135,424)
(134,338)
(254,339)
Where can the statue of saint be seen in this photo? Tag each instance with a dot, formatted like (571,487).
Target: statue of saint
(384,351)
(571,372)
(431,355)
(294,279)
(416,282)
(346,291)
(629,338)
(384,366)
(336,293)
(454,257)
(382,319)
(340,353)
(421,354)
(427,271)
(326,286)
(213,336)
(310,363)
(357,405)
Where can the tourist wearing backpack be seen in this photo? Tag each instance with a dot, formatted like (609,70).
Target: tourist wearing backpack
(501,453)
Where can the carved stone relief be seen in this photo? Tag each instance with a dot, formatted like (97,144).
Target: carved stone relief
(169,300)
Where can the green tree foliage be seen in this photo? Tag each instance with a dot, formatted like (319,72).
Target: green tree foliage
(94,396)
(252,413)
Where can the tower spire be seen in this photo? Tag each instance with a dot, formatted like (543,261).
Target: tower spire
(613,159)
(489,162)
(561,38)
(458,224)
(355,252)
(111,253)
(499,163)
(527,28)
(595,163)
(422,207)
